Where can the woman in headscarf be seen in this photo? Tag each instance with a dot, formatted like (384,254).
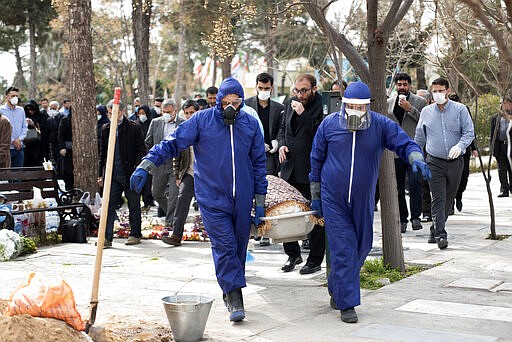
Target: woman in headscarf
(35,149)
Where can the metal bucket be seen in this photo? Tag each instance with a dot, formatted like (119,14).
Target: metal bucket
(187,315)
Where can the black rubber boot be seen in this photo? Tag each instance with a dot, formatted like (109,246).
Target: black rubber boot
(235,305)
(349,315)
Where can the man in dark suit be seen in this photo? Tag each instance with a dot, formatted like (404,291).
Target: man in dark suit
(128,152)
(404,108)
(501,145)
(270,114)
(164,188)
(301,118)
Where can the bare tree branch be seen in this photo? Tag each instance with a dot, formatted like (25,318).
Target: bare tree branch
(339,40)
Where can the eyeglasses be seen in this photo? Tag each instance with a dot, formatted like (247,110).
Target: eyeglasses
(301,91)
(232,102)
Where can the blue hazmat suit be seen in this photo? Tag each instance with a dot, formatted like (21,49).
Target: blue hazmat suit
(346,163)
(229,169)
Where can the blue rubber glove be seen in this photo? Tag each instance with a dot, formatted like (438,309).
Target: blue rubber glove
(138,179)
(423,168)
(316,204)
(259,212)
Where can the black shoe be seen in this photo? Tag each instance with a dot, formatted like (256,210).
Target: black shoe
(416,224)
(289,265)
(458,204)
(235,304)
(264,242)
(403,226)
(195,205)
(349,315)
(503,194)
(442,243)
(431,238)
(310,268)
(305,244)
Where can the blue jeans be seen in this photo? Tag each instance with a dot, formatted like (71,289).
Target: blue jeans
(17,157)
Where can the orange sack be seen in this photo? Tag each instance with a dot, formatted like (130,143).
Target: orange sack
(52,298)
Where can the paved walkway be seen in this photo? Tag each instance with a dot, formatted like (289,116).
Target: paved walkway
(466,297)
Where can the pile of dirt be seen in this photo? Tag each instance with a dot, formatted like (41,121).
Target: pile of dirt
(28,328)
(36,329)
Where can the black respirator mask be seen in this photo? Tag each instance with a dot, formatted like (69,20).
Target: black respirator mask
(229,114)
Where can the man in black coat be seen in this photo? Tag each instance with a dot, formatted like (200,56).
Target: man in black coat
(501,145)
(302,116)
(128,153)
(270,113)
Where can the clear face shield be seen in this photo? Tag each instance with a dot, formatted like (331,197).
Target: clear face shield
(355,117)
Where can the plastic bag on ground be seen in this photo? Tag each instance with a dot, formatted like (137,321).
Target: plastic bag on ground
(48,297)
(10,245)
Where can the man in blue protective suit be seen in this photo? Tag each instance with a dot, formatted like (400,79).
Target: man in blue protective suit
(345,162)
(228,173)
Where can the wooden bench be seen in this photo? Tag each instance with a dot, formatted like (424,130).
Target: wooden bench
(21,180)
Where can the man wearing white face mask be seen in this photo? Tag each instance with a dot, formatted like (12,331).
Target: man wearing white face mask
(445,129)
(16,116)
(164,188)
(128,152)
(270,114)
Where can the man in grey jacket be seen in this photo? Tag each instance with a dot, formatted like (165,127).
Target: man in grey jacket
(404,107)
(164,188)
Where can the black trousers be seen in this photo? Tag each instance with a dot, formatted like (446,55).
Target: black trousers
(504,171)
(465,175)
(316,237)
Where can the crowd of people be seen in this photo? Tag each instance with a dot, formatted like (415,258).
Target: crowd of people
(166,154)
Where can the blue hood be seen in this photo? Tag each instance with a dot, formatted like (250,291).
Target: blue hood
(229,86)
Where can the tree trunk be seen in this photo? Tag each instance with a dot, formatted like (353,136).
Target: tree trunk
(421,79)
(226,67)
(83,120)
(178,92)
(19,79)
(214,68)
(33,67)
(141,20)
(390,222)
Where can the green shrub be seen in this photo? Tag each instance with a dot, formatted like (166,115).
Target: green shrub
(488,105)
(29,246)
(375,270)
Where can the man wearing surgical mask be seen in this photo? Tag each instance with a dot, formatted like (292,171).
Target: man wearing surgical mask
(270,114)
(164,188)
(128,152)
(445,129)
(16,116)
